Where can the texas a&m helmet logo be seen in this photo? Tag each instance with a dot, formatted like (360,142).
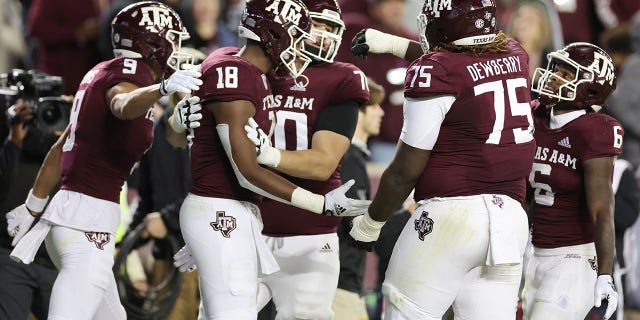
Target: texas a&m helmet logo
(424,225)
(224,224)
(156,18)
(436,6)
(99,238)
(285,11)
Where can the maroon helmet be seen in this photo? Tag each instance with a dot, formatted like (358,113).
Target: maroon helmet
(588,76)
(279,27)
(461,22)
(326,44)
(152,31)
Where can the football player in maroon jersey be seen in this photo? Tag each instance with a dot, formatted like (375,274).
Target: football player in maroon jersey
(220,219)
(110,128)
(316,115)
(466,146)
(570,186)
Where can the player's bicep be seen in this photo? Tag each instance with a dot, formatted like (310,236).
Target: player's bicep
(331,144)
(422,120)
(115,95)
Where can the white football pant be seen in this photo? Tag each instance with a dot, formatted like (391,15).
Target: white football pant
(560,283)
(450,266)
(85,287)
(222,239)
(306,283)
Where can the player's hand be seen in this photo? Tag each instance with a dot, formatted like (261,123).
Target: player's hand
(19,221)
(337,204)
(364,231)
(155,226)
(266,154)
(373,41)
(183,260)
(605,289)
(184,81)
(186,114)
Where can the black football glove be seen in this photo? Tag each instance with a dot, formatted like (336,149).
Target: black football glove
(359,46)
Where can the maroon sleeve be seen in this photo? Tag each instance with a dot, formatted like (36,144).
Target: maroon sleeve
(353,85)
(128,70)
(427,77)
(605,138)
(230,79)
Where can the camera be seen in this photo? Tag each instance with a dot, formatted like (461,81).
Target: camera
(42,92)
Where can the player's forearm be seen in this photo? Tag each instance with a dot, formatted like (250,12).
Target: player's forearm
(49,174)
(131,105)
(605,242)
(395,186)
(307,164)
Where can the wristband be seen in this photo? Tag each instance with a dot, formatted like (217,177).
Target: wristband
(34,203)
(307,200)
(270,156)
(366,229)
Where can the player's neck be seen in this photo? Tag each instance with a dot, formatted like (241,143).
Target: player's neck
(257,57)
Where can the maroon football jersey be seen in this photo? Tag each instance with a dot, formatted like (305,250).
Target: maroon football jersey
(485,143)
(226,78)
(560,215)
(100,149)
(296,109)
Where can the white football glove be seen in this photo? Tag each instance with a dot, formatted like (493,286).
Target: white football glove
(183,260)
(19,220)
(337,204)
(183,81)
(267,154)
(186,114)
(605,290)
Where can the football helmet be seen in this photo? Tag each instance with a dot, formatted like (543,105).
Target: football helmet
(280,27)
(152,31)
(325,46)
(461,22)
(580,73)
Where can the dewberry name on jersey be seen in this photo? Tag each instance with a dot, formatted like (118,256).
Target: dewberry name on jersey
(554,156)
(289,102)
(496,67)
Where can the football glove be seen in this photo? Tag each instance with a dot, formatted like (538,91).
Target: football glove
(364,232)
(186,114)
(183,260)
(19,221)
(267,155)
(605,289)
(184,81)
(373,41)
(337,204)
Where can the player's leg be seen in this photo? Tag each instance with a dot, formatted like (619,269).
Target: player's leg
(110,306)
(441,242)
(306,283)
(85,272)
(566,285)
(219,233)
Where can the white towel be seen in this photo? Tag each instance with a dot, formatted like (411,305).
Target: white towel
(28,246)
(503,243)
(267,262)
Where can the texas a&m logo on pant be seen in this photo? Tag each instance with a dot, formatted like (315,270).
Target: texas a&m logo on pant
(224,224)
(424,225)
(99,238)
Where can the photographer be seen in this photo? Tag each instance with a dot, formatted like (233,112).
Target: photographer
(25,288)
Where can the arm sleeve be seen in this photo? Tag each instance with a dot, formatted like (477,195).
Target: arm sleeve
(422,120)
(340,118)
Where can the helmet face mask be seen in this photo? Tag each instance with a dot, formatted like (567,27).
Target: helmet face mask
(461,22)
(279,27)
(152,31)
(326,42)
(580,73)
